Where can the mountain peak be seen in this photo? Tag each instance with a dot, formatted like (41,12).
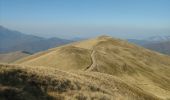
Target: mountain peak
(104,37)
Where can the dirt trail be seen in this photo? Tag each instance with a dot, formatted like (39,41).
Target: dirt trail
(93,64)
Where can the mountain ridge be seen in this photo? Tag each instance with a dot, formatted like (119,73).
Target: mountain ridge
(140,67)
(156,43)
(16,41)
(162,47)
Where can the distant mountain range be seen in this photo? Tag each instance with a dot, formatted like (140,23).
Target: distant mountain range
(162,47)
(157,43)
(16,41)
(11,41)
(138,42)
(158,38)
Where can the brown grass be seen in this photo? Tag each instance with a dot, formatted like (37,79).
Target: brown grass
(146,70)
(42,83)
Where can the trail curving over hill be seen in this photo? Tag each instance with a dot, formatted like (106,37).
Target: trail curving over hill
(144,69)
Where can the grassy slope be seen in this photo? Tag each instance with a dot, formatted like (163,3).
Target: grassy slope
(42,83)
(142,68)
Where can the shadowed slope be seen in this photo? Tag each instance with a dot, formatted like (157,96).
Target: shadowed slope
(41,83)
(142,68)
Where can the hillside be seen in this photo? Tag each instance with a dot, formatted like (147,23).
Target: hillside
(13,56)
(144,69)
(11,41)
(43,83)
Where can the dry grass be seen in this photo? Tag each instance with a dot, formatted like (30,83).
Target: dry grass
(42,83)
(146,70)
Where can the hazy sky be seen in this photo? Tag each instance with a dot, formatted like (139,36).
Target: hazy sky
(87,18)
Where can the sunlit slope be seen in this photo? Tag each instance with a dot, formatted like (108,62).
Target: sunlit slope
(13,56)
(77,55)
(105,51)
(47,83)
(142,68)
(67,58)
